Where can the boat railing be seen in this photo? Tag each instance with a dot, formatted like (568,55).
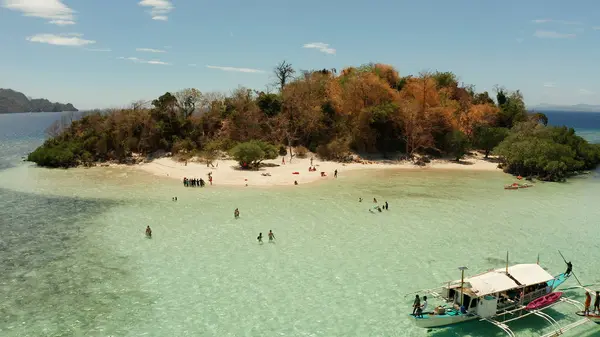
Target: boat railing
(528,297)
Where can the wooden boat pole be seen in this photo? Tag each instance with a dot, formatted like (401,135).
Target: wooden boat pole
(507,262)
(462,282)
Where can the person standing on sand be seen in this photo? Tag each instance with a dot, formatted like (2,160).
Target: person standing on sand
(311,160)
(271,236)
(259,238)
(335,174)
(283,160)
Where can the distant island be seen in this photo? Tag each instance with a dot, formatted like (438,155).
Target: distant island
(12,101)
(366,110)
(569,108)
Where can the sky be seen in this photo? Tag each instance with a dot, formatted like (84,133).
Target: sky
(110,53)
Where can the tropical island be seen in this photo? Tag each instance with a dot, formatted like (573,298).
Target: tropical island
(369,109)
(13,101)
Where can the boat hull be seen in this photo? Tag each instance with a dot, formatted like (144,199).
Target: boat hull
(429,321)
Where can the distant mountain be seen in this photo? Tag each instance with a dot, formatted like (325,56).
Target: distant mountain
(13,101)
(576,107)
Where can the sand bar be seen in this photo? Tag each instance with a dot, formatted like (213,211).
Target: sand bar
(227,172)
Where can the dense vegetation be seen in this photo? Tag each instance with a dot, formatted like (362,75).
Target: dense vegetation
(14,101)
(367,109)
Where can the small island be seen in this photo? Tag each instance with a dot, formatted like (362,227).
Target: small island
(13,102)
(367,110)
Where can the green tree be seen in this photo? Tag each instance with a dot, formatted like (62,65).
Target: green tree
(458,144)
(487,138)
(446,79)
(250,154)
(269,104)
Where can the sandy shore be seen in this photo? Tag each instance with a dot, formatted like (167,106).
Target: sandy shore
(226,172)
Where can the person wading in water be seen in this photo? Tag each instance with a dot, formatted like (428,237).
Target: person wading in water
(271,236)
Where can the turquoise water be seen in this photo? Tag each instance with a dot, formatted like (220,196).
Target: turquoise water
(78,264)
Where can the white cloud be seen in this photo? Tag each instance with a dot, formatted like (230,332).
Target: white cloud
(320,46)
(240,70)
(139,60)
(158,62)
(563,22)
(99,49)
(72,39)
(53,10)
(585,92)
(550,84)
(159,8)
(520,40)
(545,34)
(150,50)
(62,22)
(192,65)
(596,28)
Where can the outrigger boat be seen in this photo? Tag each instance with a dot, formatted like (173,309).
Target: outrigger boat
(505,292)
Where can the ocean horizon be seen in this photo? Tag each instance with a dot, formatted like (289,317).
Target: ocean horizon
(76,262)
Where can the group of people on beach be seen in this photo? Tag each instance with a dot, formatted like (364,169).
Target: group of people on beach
(193,182)
(379,208)
(271,237)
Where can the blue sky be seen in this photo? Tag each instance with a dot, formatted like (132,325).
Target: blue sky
(98,54)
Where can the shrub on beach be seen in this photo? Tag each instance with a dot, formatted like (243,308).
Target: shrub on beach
(250,154)
(337,150)
(301,151)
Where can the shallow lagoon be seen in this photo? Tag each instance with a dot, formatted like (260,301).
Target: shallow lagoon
(78,264)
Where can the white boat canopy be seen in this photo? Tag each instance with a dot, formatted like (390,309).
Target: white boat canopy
(489,283)
(528,274)
(495,281)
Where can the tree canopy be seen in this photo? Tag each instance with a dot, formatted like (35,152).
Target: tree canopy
(370,108)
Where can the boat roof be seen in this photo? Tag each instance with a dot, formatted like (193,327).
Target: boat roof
(528,274)
(489,283)
(498,280)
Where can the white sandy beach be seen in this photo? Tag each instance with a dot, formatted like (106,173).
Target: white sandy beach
(226,172)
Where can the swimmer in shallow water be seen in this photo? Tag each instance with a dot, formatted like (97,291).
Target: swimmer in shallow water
(271,236)
(148,231)
(236,213)
(259,238)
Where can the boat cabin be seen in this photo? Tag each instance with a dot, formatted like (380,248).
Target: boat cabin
(499,289)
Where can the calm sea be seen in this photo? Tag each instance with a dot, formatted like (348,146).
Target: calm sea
(75,261)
